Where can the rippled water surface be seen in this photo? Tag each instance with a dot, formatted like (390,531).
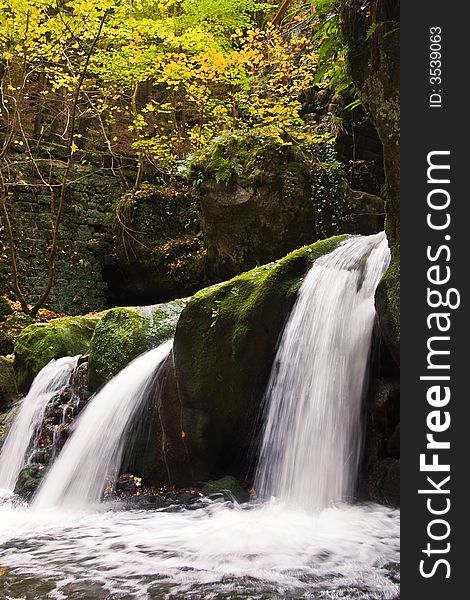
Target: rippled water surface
(217,551)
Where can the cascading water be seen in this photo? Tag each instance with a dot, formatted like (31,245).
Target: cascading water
(45,386)
(312,437)
(95,449)
(275,550)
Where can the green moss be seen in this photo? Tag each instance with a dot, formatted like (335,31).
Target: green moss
(237,153)
(388,307)
(39,343)
(224,348)
(227,488)
(29,480)
(124,333)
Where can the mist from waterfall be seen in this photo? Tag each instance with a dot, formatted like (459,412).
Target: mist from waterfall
(312,438)
(47,383)
(93,453)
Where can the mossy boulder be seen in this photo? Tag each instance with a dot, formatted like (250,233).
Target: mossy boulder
(29,480)
(5,308)
(39,343)
(227,488)
(159,253)
(124,333)
(224,349)
(8,389)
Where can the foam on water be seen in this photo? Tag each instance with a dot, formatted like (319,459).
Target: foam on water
(312,437)
(216,551)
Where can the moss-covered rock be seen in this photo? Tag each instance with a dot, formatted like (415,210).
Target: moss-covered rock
(29,480)
(157,247)
(227,488)
(124,333)
(8,389)
(387,302)
(224,349)
(39,343)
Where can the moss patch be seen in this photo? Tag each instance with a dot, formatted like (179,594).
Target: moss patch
(387,300)
(227,488)
(124,333)
(29,480)
(39,343)
(224,349)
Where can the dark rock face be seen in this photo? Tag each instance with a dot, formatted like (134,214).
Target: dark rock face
(60,415)
(224,349)
(375,68)
(8,389)
(255,219)
(159,254)
(157,449)
(380,472)
(274,205)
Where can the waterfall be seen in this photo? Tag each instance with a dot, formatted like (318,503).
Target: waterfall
(95,449)
(49,381)
(312,438)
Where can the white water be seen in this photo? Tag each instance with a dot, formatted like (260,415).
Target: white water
(275,551)
(312,438)
(213,553)
(94,451)
(13,456)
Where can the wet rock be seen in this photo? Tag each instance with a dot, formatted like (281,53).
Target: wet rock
(227,488)
(393,444)
(389,482)
(29,479)
(128,485)
(224,349)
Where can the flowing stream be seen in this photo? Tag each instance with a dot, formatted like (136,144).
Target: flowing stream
(94,451)
(302,540)
(312,440)
(14,454)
